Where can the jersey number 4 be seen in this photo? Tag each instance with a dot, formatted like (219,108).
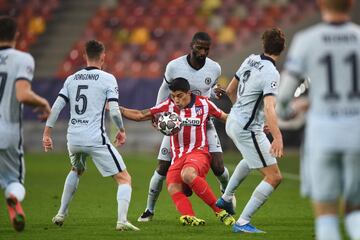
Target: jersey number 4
(3,77)
(81,96)
(352,60)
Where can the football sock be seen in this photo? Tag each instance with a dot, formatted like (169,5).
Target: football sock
(123,199)
(15,189)
(258,198)
(327,228)
(240,173)
(223,179)
(182,203)
(70,186)
(155,187)
(352,223)
(203,190)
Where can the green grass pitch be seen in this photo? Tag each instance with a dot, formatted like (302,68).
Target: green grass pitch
(93,212)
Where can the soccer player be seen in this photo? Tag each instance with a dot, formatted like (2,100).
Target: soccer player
(16,74)
(202,74)
(329,54)
(253,92)
(88,91)
(190,155)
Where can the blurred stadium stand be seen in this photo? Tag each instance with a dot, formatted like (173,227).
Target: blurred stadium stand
(141,37)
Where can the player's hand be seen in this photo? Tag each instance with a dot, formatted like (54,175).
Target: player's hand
(154,121)
(47,143)
(266,129)
(277,148)
(219,91)
(120,138)
(43,111)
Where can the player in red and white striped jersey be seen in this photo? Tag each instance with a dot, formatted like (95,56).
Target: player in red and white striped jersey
(191,158)
(192,136)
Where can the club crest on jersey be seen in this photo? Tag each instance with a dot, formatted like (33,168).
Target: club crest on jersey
(199,110)
(207,81)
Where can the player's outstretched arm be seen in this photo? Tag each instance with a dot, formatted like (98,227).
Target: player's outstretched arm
(232,89)
(116,117)
(136,115)
(271,120)
(24,94)
(58,105)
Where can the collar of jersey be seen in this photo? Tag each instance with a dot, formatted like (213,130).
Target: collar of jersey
(91,68)
(193,98)
(263,57)
(5,47)
(188,60)
(340,23)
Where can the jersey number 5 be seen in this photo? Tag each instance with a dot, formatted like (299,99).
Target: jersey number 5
(80,96)
(3,77)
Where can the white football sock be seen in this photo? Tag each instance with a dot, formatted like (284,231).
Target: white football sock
(352,225)
(223,179)
(123,199)
(240,173)
(155,187)
(327,228)
(16,189)
(70,186)
(258,198)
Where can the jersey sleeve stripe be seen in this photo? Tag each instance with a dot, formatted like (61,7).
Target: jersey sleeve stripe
(64,97)
(269,94)
(166,80)
(22,78)
(113,100)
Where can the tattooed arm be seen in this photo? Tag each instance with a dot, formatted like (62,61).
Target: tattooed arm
(136,115)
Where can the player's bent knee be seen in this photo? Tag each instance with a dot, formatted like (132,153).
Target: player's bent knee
(174,188)
(188,174)
(217,163)
(274,179)
(123,177)
(163,167)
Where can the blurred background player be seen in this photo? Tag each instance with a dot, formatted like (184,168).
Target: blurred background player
(202,74)
(16,73)
(329,54)
(88,91)
(253,91)
(190,155)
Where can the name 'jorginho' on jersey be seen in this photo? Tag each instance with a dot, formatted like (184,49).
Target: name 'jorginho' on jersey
(258,77)
(87,91)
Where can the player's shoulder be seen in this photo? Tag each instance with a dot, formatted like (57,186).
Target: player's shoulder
(23,56)
(177,61)
(309,32)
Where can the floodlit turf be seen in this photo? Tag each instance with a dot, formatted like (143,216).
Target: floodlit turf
(93,210)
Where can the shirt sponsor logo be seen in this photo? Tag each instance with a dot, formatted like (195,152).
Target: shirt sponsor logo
(191,121)
(75,121)
(196,92)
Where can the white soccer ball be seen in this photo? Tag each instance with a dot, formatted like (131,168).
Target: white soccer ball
(169,123)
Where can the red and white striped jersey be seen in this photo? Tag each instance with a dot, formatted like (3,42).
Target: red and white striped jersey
(192,136)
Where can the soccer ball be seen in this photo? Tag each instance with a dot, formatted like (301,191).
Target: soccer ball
(169,123)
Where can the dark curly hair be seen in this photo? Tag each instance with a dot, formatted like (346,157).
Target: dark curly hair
(273,41)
